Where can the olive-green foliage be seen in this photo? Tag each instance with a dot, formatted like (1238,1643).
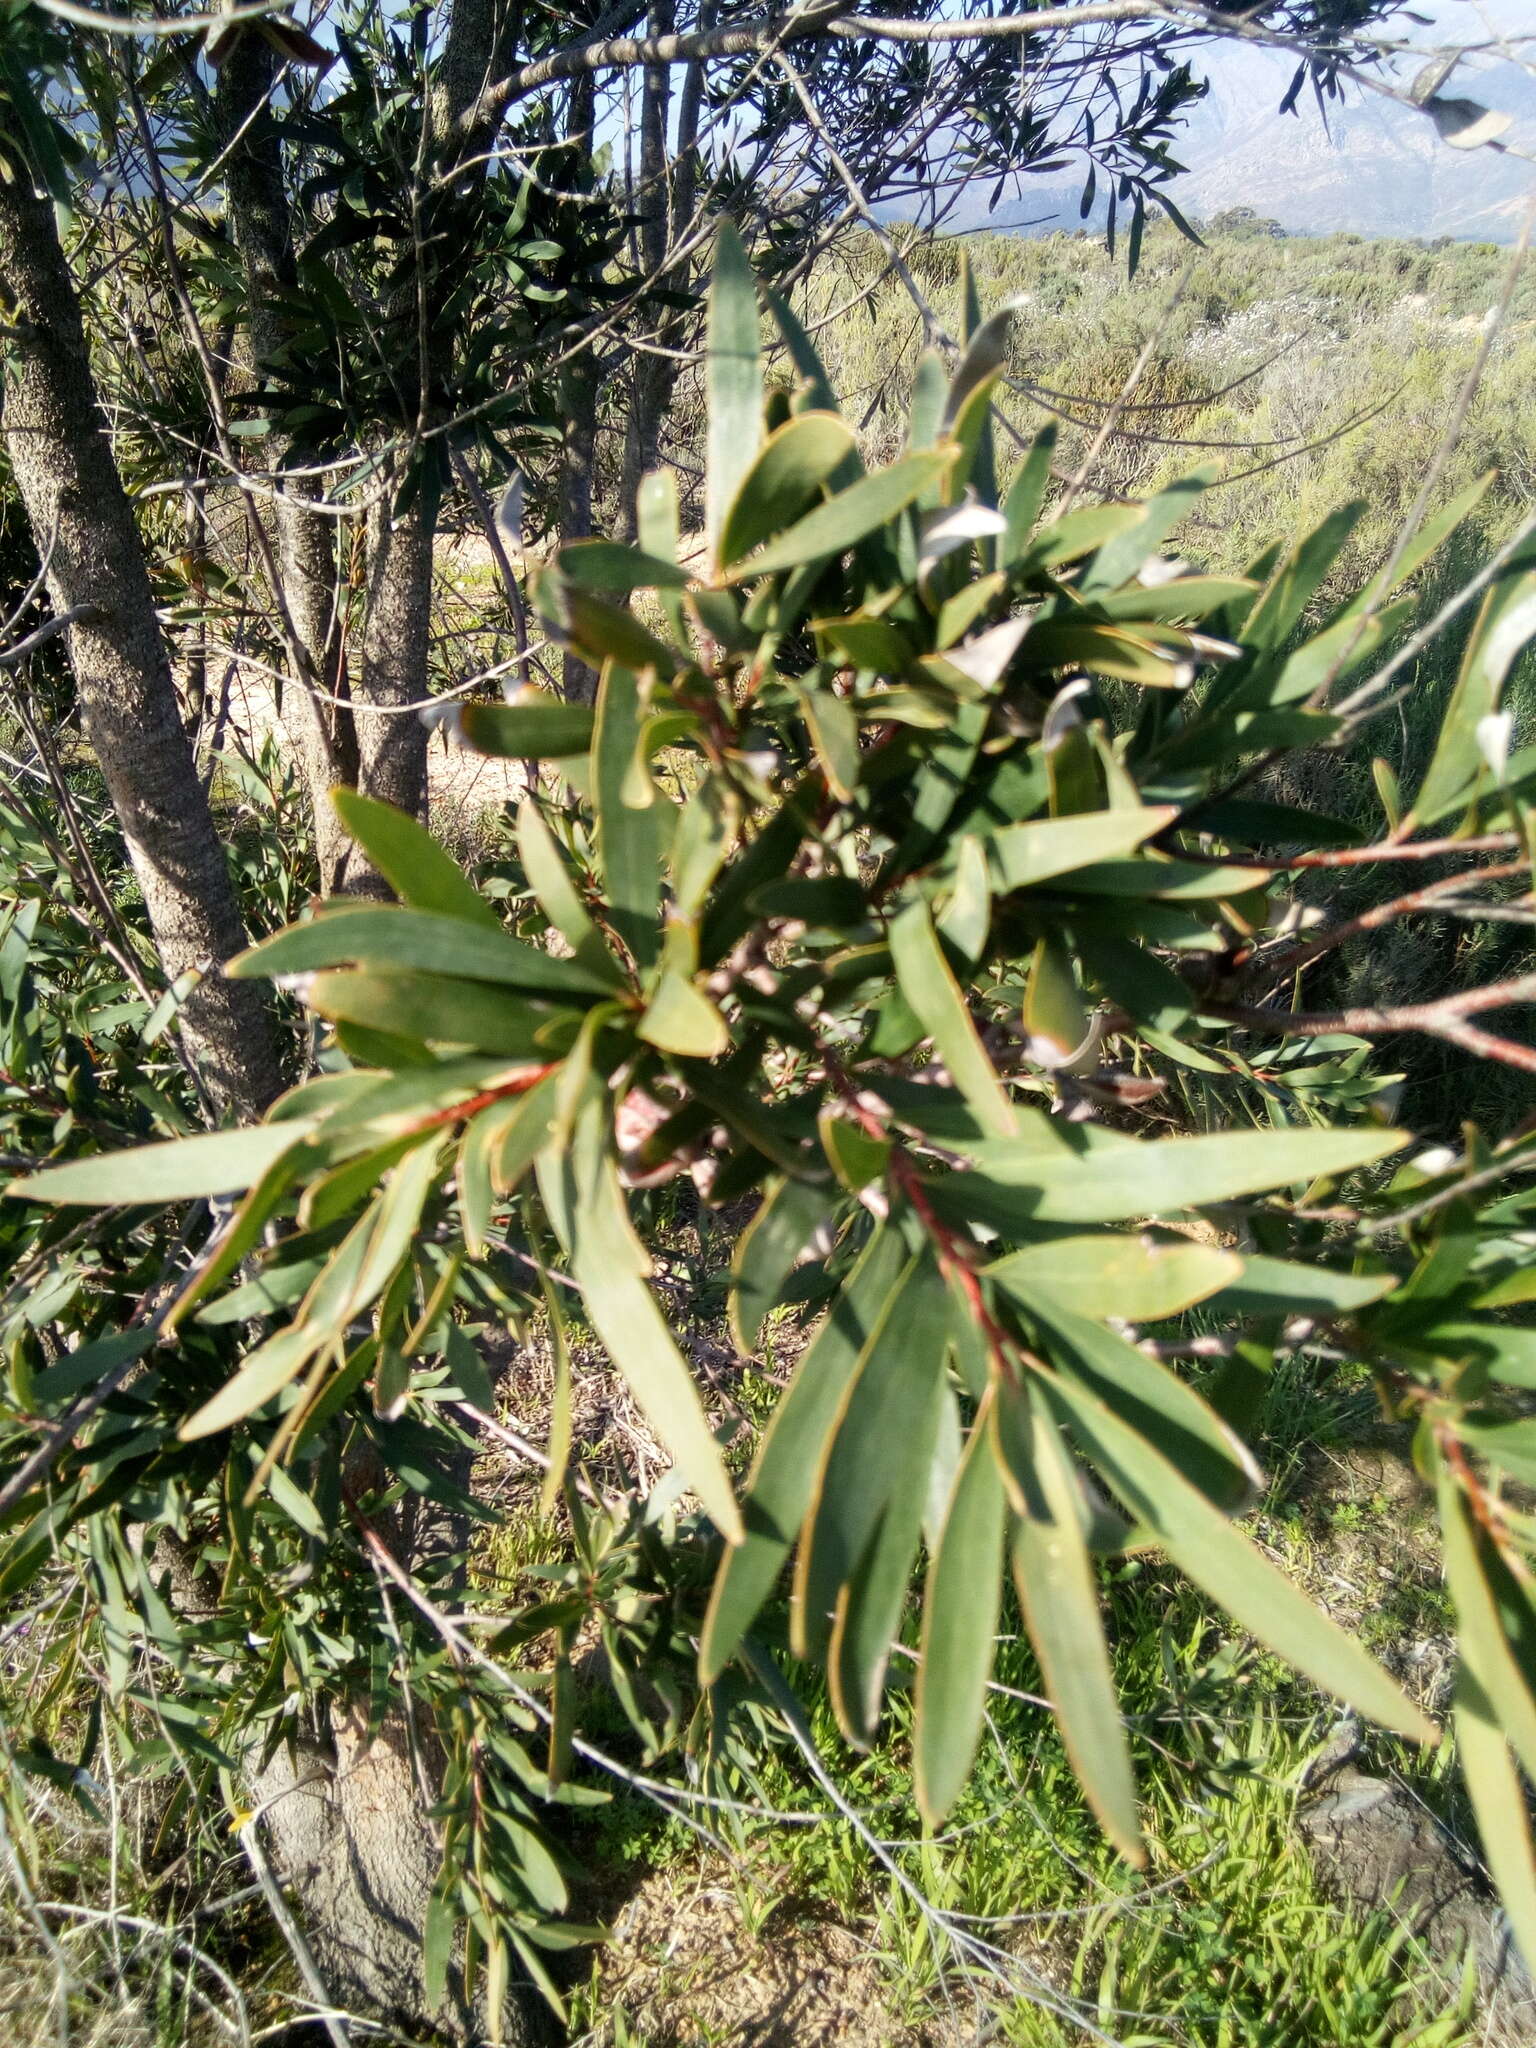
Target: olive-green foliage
(907,886)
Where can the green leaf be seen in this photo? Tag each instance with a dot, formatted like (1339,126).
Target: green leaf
(550,880)
(1059,1596)
(1510,1445)
(1481,1640)
(440,1925)
(1217,1556)
(984,360)
(1026,495)
(733,380)
(870,1606)
(528,731)
(609,1265)
(842,521)
(1143,1392)
(601,631)
(1499,1801)
(629,836)
(890,1394)
(960,1614)
(834,729)
(437,1009)
(788,1216)
(410,859)
(680,1018)
(1024,855)
(1279,611)
(784,480)
(1053,1014)
(182,1170)
(1186,598)
(924,977)
(390,936)
(1506,623)
(1124,553)
(613,570)
(266,1371)
(1135,979)
(1135,1279)
(1077,534)
(819,394)
(705,832)
(1166,881)
(790,1453)
(1164,1175)
(929,385)
(1284,1288)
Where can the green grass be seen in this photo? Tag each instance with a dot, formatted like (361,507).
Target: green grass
(1226,1939)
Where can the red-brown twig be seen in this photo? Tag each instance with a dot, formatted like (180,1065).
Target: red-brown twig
(1444,1018)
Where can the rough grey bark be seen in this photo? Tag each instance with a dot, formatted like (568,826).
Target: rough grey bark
(392,746)
(83,527)
(346,1821)
(669,187)
(345,1816)
(580,382)
(262,226)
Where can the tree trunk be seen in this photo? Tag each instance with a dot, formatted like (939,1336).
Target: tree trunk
(345,1817)
(347,1823)
(392,743)
(83,527)
(321,731)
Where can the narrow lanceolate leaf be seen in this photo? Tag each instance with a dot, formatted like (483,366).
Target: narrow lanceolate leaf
(1059,1596)
(419,871)
(784,481)
(613,570)
(733,378)
(1167,1174)
(925,979)
(535,730)
(182,1170)
(1505,624)
(818,391)
(266,1372)
(629,835)
(1217,1556)
(1499,1801)
(791,1450)
(1287,1288)
(1481,1639)
(558,897)
(842,522)
(870,1606)
(1136,1279)
(1143,1392)
(610,1266)
(1026,495)
(1023,855)
(766,1252)
(390,936)
(960,1611)
(437,1009)
(889,1397)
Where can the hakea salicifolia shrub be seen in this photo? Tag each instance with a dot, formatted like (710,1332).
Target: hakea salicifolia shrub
(910,885)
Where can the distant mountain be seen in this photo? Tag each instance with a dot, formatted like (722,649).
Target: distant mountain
(1366,164)
(1370,165)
